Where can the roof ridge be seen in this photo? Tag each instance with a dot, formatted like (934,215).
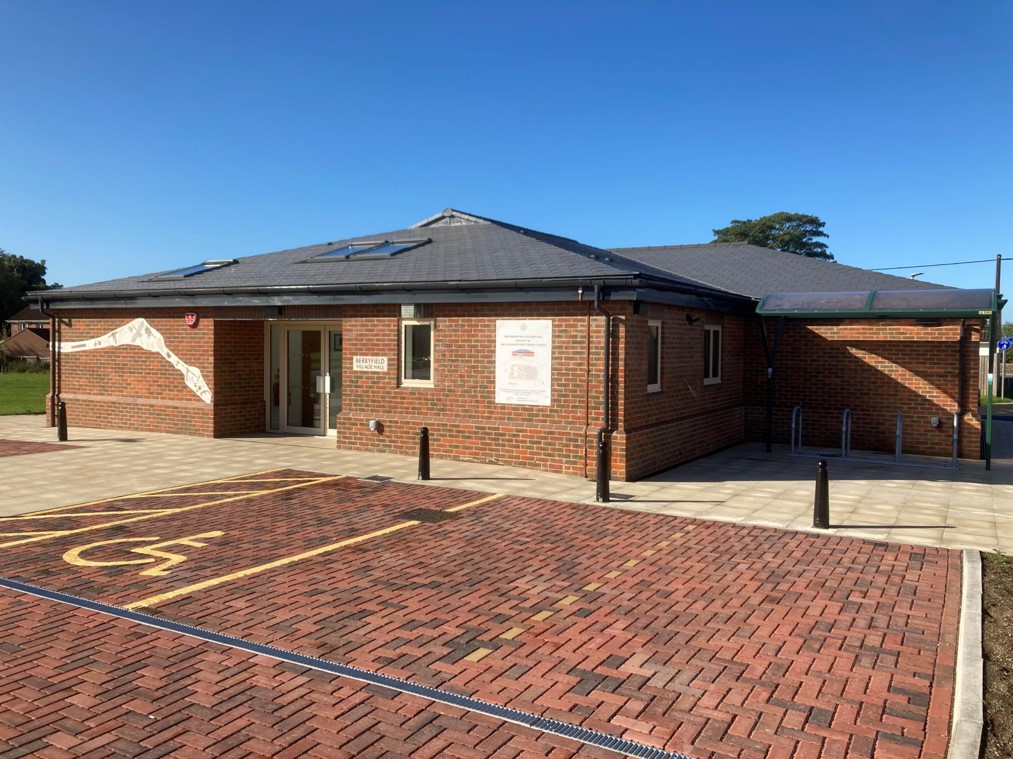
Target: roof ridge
(449,213)
(452,212)
(687,245)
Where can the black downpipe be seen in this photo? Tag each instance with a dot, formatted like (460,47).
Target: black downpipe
(771,354)
(54,361)
(601,493)
(960,390)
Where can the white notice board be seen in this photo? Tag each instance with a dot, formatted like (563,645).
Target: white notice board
(524,361)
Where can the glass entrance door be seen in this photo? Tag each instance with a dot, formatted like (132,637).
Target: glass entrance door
(333,378)
(308,359)
(304,401)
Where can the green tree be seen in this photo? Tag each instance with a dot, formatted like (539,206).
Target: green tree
(791,232)
(19,275)
(1007,329)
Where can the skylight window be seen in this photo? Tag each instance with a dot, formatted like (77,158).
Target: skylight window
(389,249)
(346,251)
(373,249)
(189,271)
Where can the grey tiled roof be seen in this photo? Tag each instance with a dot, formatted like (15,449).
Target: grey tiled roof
(464,248)
(752,271)
(479,251)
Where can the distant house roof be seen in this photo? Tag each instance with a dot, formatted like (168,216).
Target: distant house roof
(457,255)
(28,315)
(749,270)
(31,343)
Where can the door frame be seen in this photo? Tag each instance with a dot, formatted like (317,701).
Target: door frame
(324,329)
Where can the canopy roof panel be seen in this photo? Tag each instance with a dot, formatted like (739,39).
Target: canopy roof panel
(948,302)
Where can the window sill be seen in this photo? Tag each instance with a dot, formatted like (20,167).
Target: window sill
(712,381)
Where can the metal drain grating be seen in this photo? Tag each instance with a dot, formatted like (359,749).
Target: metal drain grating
(574,732)
(428,515)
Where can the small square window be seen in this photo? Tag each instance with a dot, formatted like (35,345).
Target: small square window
(417,352)
(711,354)
(653,356)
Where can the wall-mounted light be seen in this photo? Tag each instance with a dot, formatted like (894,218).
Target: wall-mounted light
(690,319)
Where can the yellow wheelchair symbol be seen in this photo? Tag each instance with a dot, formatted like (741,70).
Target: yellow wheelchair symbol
(152,552)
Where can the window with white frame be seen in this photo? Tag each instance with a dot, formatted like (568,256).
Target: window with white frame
(653,356)
(417,352)
(711,354)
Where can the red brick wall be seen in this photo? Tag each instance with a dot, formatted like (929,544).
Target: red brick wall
(877,368)
(239,404)
(126,387)
(650,433)
(686,419)
(460,410)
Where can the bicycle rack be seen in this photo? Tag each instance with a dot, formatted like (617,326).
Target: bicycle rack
(796,448)
(797,418)
(796,423)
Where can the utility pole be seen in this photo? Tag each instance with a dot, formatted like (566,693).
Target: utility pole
(993,336)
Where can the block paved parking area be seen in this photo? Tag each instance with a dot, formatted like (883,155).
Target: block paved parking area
(76,683)
(705,638)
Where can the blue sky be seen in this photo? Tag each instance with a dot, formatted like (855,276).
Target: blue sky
(139,136)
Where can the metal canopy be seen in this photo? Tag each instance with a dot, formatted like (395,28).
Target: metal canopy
(948,302)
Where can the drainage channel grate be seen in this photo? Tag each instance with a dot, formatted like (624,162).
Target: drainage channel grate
(505,713)
(427,515)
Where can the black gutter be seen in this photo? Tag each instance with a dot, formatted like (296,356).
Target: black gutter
(68,294)
(540,295)
(602,462)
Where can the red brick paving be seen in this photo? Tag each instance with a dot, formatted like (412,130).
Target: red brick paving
(22,447)
(711,639)
(76,683)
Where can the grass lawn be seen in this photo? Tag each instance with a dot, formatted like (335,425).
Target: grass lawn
(23,393)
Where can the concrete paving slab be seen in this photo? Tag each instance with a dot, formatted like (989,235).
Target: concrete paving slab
(976,503)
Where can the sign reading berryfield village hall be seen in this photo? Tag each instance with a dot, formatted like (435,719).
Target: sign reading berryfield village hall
(524,361)
(369,363)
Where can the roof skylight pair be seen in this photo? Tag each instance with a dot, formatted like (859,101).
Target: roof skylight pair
(370,249)
(189,271)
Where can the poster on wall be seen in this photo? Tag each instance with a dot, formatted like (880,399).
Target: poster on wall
(524,361)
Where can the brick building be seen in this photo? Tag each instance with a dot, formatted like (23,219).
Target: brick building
(514,346)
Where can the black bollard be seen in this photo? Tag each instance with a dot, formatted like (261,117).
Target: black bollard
(424,453)
(61,421)
(821,507)
(601,494)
